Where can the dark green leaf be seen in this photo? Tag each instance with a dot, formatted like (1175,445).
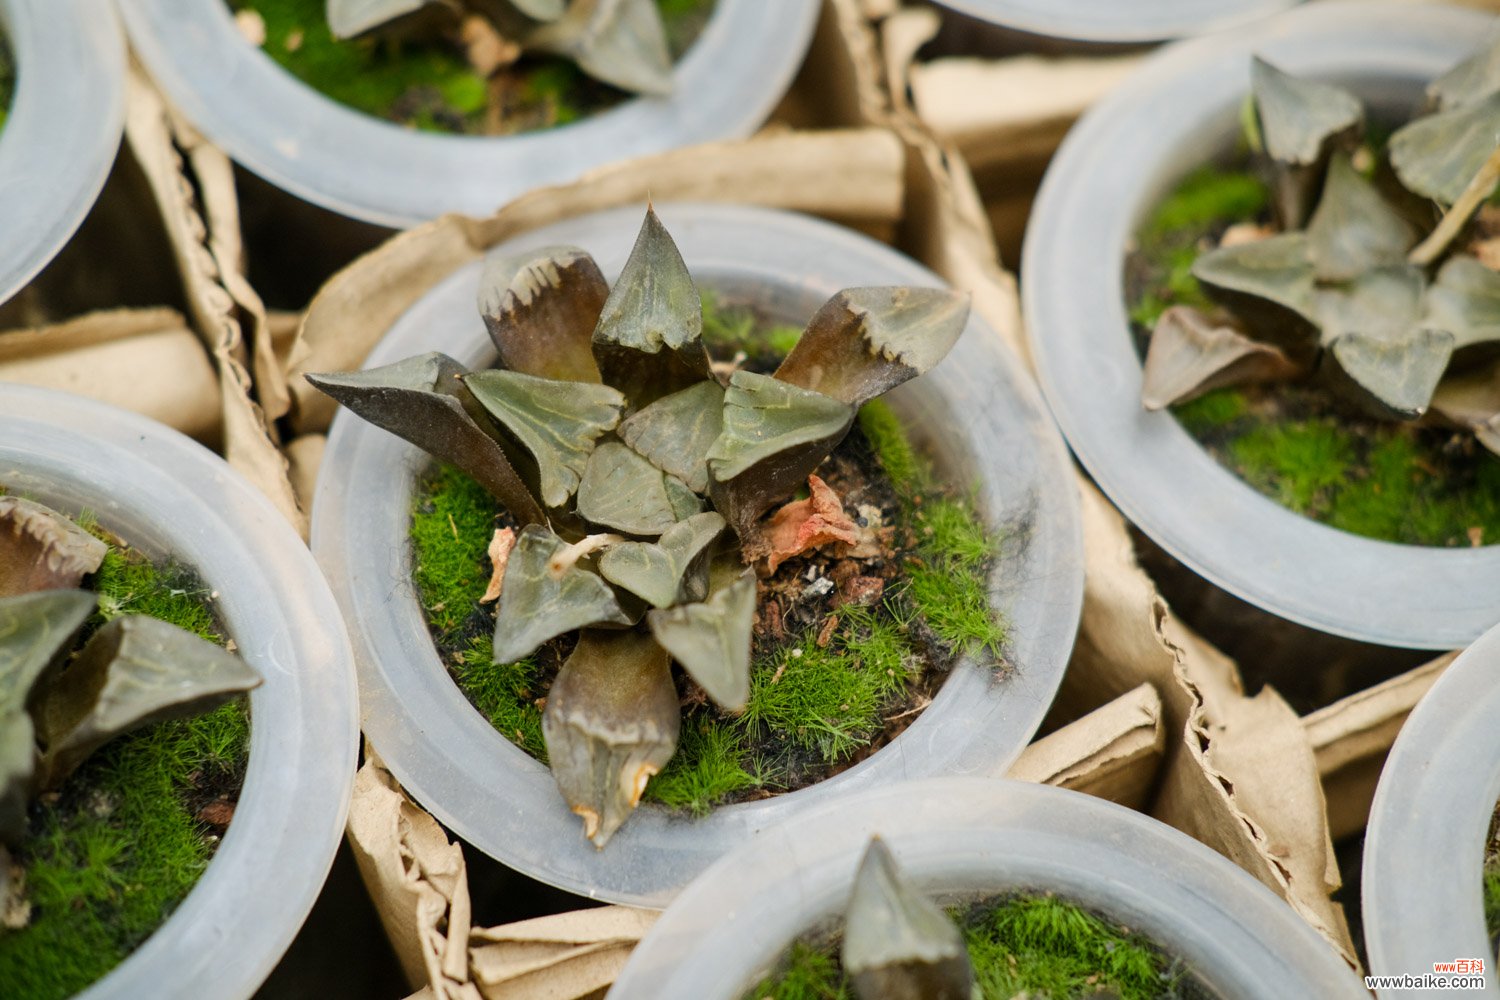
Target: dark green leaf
(1384,304)
(1269,284)
(1397,377)
(711,639)
(347,18)
(775,433)
(1353,228)
(418,400)
(654,571)
(134,671)
(541,307)
(622,490)
(621,42)
(1300,122)
(684,502)
(898,945)
(556,422)
(866,341)
(1465,300)
(1471,400)
(539,601)
(41,549)
(649,339)
(1190,355)
(1471,81)
(675,432)
(1438,155)
(611,722)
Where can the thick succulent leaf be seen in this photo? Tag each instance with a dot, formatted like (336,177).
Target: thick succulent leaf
(134,671)
(1436,156)
(675,432)
(622,42)
(1353,228)
(347,18)
(1190,355)
(622,490)
(711,639)
(538,603)
(649,341)
(1472,80)
(775,434)
(1300,121)
(685,503)
(541,307)
(1396,377)
(611,722)
(1381,305)
(654,571)
(41,549)
(1464,299)
(36,631)
(1471,400)
(556,422)
(866,341)
(541,10)
(898,944)
(417,400)
(1269,284)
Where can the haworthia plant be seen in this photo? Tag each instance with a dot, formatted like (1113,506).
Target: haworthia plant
(42,550)
(621,42)
(1378,301)
(640,479)
(56,711)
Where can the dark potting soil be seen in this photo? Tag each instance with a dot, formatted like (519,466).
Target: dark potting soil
(1297,443)
(1034,946)
(833,680)
(113,852)
(428,83)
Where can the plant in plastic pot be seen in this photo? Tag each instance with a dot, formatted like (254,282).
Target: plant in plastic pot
(1430,884)
(978,887)
(847,597)
(1275,312)
(398,112)
(62,108)
(1101,22)
(179,720)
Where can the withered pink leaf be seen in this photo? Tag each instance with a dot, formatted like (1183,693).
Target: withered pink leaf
(1190,354)
(541,307)
(501,543)
(804,525)
(41,549)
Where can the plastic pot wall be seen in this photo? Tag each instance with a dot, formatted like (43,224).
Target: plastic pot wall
(1111,22)
(63,127)
(168,496)
(976,414)
(380,172)
(1424,849)
(1176,113)
(964,840)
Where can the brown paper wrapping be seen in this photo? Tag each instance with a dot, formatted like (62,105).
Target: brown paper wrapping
(1113,752)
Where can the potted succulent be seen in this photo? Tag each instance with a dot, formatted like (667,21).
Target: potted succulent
(835,662)
(126,876)
(1159,467)
(62,86)
(322,148)
(1057,895)
(1099,22)
(1431,879)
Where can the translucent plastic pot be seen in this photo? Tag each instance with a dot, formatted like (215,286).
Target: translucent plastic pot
(377,171)
(1116,22)
(964,840)
(168,496)
(63,127)
(1178,112)
(975,414)
(1424,849)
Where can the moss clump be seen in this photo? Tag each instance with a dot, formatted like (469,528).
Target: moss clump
(453,520)
(112,854)
(429,84)
(1492,897)
(728,330)
(1033,946)
(7,81)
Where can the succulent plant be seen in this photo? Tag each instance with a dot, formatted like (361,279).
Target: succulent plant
(57,709)
(1366,286)
(621,42)
(638,478)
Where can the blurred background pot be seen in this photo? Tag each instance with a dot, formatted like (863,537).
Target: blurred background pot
(167,496)
(1108,22)
(976,415)
(963,841)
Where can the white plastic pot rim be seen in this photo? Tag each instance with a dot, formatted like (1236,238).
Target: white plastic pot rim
(167,495)
(976,411)
(369,169)
(963,840)
(1180,110)
(63,128)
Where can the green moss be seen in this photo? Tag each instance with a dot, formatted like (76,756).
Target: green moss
(1300,463)
(882,428)
(1492,897)
(453,519)
(7,81)
(729,329)
(119,848)
(1208,196)
(1032,946)
(707,768)
(1211,411)
(504,693)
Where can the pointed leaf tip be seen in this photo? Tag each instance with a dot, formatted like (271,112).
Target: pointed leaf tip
(540,307)
(41,549)
(1190,355)
(622,42)
(712,640)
